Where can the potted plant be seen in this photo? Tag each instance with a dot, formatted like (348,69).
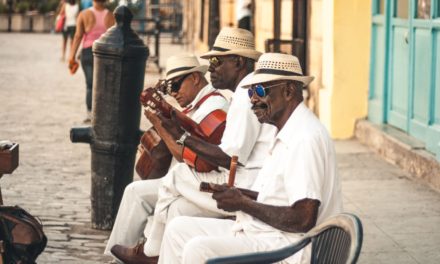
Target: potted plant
(44,18)
(3,17)
(20,21)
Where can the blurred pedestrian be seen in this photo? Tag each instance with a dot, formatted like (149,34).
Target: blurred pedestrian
(243,13)
(86,4)
(70,9)
(91,24)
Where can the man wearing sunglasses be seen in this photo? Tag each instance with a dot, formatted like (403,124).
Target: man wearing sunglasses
(231,61)
(298,184)
(187,84)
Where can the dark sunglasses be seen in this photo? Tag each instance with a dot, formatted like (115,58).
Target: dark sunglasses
(217,61)
(260,90)
(174,87)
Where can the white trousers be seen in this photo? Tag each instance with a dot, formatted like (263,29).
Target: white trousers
(194,240)
(181,186)
(137,205)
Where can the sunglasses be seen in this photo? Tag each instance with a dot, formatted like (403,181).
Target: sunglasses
(217,61)
(174,87)
(260,90)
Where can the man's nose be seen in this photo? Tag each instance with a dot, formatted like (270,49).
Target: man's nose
(211,68)
(254,98)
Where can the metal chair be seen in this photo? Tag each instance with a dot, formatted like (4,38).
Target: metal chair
(337,240)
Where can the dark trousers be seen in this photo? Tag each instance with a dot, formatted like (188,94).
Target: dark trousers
(245,23)
(87,66)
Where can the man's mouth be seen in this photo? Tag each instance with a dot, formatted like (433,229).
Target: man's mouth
(259,107)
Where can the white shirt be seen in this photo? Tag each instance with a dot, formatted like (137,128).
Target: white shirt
(71,14)
(301,164)
(212,103)
(242,9)
(244,135)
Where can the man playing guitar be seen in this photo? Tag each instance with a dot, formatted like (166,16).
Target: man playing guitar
(184,81)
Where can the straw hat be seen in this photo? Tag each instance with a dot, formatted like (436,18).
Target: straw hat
(277,66)
(234,41)
(183,64)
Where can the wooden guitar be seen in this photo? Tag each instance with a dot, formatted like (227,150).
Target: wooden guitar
(209,129)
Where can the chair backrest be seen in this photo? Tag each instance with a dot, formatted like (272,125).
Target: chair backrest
(337,240)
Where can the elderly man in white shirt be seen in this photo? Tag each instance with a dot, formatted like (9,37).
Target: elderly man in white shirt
(231,63)
(298,185)
(199,98)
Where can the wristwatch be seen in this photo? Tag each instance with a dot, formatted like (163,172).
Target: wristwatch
(181,140)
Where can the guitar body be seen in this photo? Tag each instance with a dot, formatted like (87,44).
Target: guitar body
(212,126)
(155,157)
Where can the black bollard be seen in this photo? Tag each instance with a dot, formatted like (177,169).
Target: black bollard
(118,78)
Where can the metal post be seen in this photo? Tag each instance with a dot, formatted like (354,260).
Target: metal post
(10,2)
(119,69)
(214,21)
(276,25)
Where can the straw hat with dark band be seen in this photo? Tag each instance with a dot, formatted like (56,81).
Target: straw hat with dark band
(233,41)
(183,64)
(277,66)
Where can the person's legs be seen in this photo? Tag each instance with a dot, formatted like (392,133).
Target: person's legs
(64,44)
(193,240)
(136,206)
(155,229)
(183,181)
(179,195)
(182,229)
(245,23)
(71,34)
(87,65)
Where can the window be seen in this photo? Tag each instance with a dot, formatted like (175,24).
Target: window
(423,9)
(381,7)
(401,8)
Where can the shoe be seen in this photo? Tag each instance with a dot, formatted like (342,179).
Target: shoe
(134,255)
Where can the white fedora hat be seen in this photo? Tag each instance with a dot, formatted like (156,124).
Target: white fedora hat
(183,64)
(233,41)
(277,66)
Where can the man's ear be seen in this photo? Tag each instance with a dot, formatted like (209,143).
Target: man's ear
(240,62)
(196,78)
(290,91)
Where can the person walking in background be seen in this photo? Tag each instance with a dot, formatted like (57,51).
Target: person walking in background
(91,24)
(86,4)
(243,13)
(70,9)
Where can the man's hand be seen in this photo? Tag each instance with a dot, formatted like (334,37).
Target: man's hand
(152,117)
(172,125)
(228,198)
(73,66)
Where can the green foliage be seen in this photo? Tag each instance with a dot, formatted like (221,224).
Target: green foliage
(3,8)
(22,7)
(42,6)
(111,5)
(134,5)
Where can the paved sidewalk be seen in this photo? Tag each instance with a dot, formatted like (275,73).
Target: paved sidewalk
(40,102)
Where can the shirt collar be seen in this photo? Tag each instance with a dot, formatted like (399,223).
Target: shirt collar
(287,133)
(204,91)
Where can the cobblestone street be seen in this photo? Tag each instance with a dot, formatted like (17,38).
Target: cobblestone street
(39,103)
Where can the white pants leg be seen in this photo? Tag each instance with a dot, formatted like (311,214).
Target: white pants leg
(136,207)
(192,240)
(184,182)
(155,229)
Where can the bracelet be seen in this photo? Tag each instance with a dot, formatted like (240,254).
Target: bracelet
(181,140)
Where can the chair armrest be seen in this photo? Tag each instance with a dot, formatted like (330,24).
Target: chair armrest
(263,257)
